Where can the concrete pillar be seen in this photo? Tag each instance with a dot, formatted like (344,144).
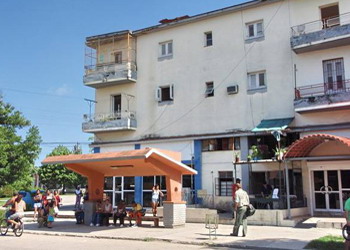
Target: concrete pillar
(244,168)
(96,183)
(89,209)
(174,214)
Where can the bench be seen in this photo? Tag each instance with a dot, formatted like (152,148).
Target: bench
(155,219)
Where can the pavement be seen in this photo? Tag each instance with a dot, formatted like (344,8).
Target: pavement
(258,237)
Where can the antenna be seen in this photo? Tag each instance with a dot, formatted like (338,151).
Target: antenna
(90,102)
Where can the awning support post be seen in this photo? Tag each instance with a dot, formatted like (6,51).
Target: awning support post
(287,189)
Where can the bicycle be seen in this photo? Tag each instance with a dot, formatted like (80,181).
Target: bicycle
(346,232)
(5,226)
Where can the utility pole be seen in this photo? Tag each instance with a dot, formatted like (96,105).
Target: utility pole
(90,102)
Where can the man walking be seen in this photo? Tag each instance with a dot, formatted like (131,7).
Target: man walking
(347,217)
(241,204)
(234,189)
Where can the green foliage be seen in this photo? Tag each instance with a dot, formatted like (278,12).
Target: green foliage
(56,175)
(17,154)
(326,243)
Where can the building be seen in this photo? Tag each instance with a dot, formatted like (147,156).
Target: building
(214,85)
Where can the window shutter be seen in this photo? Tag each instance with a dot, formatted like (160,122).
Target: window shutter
(259,29)
(170,48)
(172,91)
(158,94)
(261,79)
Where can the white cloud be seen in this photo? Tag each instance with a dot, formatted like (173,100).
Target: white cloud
(63,90)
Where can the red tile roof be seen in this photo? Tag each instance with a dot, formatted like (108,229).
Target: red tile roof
(303,147)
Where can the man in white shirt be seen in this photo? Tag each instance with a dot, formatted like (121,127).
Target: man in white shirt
(241,205)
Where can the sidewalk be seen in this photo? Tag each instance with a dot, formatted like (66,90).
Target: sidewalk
(192,233)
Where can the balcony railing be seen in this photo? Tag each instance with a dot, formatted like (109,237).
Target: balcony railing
(322,89)
(109,72)
(110,121)
(318,25)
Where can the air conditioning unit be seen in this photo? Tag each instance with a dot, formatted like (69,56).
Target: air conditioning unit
(232,89)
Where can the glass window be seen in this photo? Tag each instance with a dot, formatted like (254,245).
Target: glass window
(256,80)
(166,49)
(209,89)
(208,39)
(148,182)
(129,183)
(160,180)
(345,178)
(255,30)
(108,185)
(117,183)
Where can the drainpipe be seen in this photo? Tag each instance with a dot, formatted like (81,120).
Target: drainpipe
(287,189)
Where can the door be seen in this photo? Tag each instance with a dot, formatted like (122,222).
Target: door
(117,106)
(334,75)
(330,16)
(326,190)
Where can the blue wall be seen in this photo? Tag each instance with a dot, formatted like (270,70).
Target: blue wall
(138,184)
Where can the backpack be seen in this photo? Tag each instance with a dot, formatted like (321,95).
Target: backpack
(250,210)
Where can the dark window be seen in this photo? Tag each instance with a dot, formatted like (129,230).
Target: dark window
(117,103)
(129,183)
(217,144)
(118,59)
(208,39)
(166,94)
(330,16)
(209,89)
(237,143)
(224,183)
(108,185)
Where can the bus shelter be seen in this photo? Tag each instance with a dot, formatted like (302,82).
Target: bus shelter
(143,162)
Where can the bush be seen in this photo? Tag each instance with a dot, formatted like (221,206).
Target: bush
(6,191)
(326,243)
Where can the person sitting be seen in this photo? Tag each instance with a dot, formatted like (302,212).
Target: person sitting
(136,213)
(120,213)
(96,217)
(20,206)
(107,211)
(79,214)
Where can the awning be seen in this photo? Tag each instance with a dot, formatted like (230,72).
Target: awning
(273,124)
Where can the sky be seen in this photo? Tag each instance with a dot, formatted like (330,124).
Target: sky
(42,55)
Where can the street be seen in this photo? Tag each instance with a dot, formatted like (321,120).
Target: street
(29,241)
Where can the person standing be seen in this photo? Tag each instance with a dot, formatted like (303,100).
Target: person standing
(78,195)
(234,189)
(156,193)
(347,217)
(37,202)
(241,205)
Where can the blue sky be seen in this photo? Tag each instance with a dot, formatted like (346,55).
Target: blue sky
(42,54)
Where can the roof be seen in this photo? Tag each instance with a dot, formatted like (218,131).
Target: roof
(180,21)
(143,162)
(304,146)
(273,124)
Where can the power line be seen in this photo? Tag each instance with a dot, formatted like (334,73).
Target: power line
(40,93)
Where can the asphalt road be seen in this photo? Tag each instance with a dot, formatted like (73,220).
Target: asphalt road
(44,242)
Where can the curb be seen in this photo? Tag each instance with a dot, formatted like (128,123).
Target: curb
(212,244)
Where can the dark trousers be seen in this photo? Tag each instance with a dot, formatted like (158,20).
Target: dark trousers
(79,216)
(120,217)
(105,218)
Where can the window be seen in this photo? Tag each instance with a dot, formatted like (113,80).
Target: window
(166,49)
(237,143)
(118,59)
(224,183)
(165,93)
(334,74)
(208,39)
(330,16)
(255,30)
(217,144)
(256,80)
(209,89)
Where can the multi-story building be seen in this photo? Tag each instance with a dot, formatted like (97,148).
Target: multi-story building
(215,85)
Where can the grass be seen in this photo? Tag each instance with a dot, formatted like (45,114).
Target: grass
(327,243)
(147,239)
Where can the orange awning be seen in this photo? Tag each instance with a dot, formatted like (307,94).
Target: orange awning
(143,162)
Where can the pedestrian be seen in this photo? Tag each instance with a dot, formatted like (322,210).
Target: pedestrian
(78,195)
(58,198)
(51,212)
(156,194)
(347,217)
(234,189)
(241,205)
(37,202)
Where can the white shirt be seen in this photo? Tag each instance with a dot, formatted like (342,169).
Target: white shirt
(242,198)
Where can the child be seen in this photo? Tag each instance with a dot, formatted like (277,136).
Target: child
(51,213)
(136,213)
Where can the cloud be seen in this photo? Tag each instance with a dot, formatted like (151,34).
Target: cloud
(63,90)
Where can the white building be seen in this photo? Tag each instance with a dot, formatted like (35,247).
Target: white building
(221,81)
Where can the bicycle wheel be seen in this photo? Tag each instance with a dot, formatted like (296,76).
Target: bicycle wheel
(3,227)
(19,231)
(346,233)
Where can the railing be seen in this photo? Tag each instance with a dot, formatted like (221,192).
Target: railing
(320,24)
(322,89)
(105,117)
(110,67)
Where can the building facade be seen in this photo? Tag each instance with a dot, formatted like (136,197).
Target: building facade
(217,87)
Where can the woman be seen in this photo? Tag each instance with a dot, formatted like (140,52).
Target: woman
(155,198)
(38,198)
(58,198)
(120,214)
(107,211)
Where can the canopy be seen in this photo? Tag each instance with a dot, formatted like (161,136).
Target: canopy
(273,124)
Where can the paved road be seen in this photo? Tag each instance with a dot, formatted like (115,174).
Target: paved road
(36,242)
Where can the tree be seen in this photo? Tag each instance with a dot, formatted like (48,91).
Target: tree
(56,175)
(17,154)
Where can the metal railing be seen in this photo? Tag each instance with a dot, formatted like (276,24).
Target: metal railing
(322,89)
(110,67)
(105,117)
(320,24)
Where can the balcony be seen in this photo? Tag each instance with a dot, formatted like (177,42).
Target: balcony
(322,97)
(321,34)
(105,122)
(103,75)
